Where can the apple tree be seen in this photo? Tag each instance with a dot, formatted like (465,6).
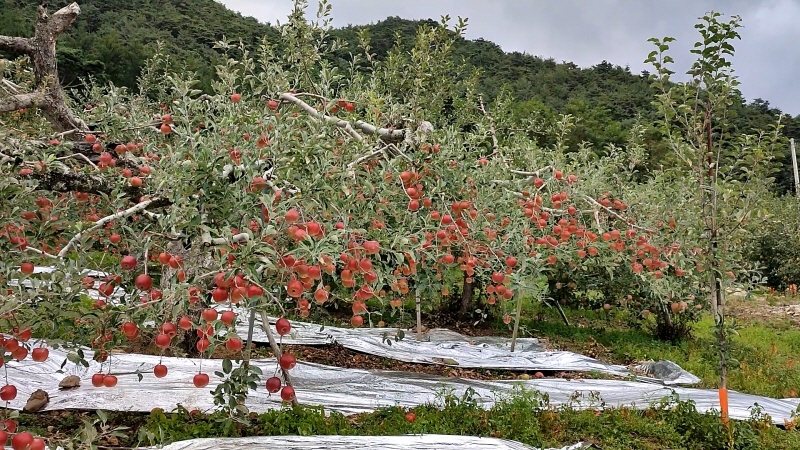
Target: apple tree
(296,184)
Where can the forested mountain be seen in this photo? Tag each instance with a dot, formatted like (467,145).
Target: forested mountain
(112,39)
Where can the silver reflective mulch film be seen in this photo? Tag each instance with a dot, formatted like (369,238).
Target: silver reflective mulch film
(446,347)
(417,442)
(348,391)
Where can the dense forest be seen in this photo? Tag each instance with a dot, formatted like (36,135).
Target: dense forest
(112,39)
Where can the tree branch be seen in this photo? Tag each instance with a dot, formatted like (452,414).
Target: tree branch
(60,20)
(235,239)
(615,214)
(276,350)
(20,101)
(15,44)
(101,223)
(383,133)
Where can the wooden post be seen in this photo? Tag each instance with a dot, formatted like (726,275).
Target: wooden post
(794,166)
(419,312)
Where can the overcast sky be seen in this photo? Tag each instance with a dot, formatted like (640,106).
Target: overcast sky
(587,32)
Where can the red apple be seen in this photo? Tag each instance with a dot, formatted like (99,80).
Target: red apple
(97,379)
(8,392)
(128,262)
(273,385)
(210,314)
(283,327)
(160,371)
(110,381)
(22,441)
(287,393)
(40,354)
(200,380)
(26,268)
(287,361)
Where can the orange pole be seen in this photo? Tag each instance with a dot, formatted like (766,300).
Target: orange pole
(723,402)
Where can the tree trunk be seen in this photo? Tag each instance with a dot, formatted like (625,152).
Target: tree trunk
(49,96)
(467,296)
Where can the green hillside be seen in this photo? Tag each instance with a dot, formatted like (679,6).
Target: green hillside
(112,39)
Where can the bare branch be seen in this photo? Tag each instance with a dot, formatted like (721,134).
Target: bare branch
(60,20)
(534,173)
(614,213)
(313,112)
(383,133)
(41,252)
(79,156)
(235,239)
(101,223)
(366,157)
(15,44)
(20,101)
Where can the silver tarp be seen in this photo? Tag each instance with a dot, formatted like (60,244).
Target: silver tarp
(442,346)
(418,442)
(348,391)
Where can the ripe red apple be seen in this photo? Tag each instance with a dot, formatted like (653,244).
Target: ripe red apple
(136,181)
(254,291)
(203,344)
(236,98)
(10,425)
(26,268)
(115,238)
(228,317)
(97,379)
(210,314)
(234,344)
(130,330)
(8,392)
(160,371)
(110,381)
(287,393)
(40,354)
(273,385)
(163,258)
(283,326)
(219,294)
(410,417)
(200,380)
(143,282)
(24,335)
(24,440)
(185,323)
(20,353)
(357,321)
(3,437)
(287,361)
(162,341)
(37,444)
(11,344)
(292,216)
(128,262)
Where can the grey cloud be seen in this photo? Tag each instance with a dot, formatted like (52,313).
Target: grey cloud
(587,32)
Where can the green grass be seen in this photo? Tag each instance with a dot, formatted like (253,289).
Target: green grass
(523,416)
(765,357)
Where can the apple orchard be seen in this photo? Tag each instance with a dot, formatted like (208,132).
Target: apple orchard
(301,187)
